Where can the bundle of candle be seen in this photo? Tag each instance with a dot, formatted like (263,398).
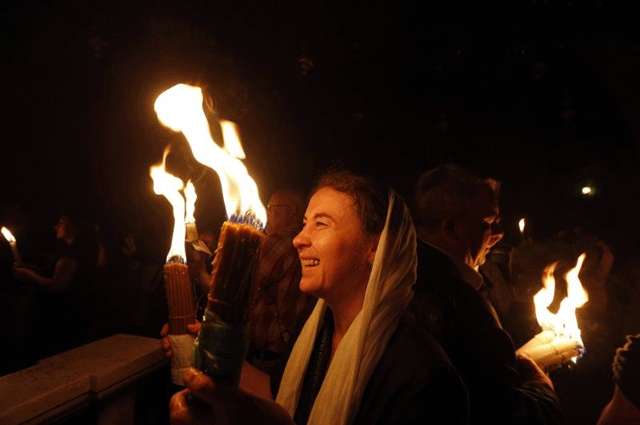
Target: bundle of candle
(222,342)
(179,296)
(176,273)
(549,350)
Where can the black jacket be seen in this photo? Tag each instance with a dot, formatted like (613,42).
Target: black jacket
(463,322)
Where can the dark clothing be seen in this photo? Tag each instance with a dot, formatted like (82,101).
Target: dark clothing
(64,313)
(413,382)
(464,323)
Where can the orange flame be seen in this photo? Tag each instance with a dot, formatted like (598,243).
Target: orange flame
(191,197)
(564,323)
(169,186)
(180,109)
(8,235)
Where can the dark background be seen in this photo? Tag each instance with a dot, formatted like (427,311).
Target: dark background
(543,95)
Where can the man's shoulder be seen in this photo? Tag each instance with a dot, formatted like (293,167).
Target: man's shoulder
(437,276)
(413,351)
(412,371)
(434,265)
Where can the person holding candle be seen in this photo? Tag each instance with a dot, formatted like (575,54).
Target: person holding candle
(358,359)
(458,221)
(65,296)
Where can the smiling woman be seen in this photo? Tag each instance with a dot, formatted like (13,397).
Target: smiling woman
(358,358)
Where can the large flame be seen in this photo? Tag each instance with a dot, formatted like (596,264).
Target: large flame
(180,108)
(169,186)
(8,235)
(191,197)
(564,323)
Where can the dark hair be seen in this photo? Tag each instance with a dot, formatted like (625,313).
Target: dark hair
(444,193)
(626,369)
(370,197)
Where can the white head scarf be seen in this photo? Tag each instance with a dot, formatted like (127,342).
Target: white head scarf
(388,292)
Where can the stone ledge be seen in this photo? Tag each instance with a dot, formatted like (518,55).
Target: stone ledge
(72,378)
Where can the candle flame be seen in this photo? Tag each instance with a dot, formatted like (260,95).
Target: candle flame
(564,323)
(180,109)
(232,142)
(521,225)
(191,197)
(8,235)
(169,186)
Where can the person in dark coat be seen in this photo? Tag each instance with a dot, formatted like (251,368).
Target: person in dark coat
(66,294)
(458,222)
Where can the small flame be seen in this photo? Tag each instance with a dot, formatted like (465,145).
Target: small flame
(521,225)
(232,142)
(191,197)
(8,235)
(544,297)
(169,186)
(180,108)
(586,190)
(564,323)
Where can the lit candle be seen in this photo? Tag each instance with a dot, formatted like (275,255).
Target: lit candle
(560,339)
(522,224)
(222,342)
(12,243)
(190,219)
(176,273)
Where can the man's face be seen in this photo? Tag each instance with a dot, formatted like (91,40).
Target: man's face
(62,228)
(480,228)
(280,214)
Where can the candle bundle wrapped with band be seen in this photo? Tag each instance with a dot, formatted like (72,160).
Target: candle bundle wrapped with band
(550,351)
(179,296)
(222,342)
(560,340)
(176,273)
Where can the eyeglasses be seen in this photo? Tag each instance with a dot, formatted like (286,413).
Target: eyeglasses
(272,207)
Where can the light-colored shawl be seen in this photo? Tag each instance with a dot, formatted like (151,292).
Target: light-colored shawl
(388,292)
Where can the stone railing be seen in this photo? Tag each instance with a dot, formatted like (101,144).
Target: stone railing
(99,375)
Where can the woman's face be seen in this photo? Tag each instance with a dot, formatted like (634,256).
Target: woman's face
(335,253)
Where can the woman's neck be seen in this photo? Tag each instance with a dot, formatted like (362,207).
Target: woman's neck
(344,313)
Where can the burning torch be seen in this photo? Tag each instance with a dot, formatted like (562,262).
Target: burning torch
(176,273)
(222,343)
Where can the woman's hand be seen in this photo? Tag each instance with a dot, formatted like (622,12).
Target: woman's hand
(221,405)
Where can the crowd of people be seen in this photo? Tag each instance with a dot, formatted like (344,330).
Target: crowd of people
(370,309)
